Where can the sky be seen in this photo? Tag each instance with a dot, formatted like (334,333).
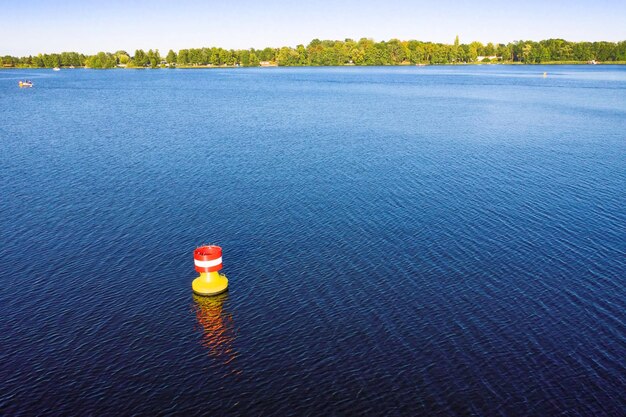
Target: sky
(37,26)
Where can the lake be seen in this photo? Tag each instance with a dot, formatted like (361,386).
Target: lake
(398,240)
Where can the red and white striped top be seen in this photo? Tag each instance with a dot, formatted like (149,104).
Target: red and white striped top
(208,258)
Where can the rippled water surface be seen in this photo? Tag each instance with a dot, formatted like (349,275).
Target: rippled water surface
(399,241)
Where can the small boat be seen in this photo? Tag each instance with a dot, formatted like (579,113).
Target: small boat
(56,69)
(25,84)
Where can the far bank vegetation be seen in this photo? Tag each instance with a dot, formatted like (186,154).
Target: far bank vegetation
(336,53)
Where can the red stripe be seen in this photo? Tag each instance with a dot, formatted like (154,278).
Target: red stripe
(207,253)
(209,269)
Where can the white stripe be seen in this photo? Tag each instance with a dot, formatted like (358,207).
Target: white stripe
(208,264)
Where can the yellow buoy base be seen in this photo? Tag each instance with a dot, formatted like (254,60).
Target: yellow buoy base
(210,283)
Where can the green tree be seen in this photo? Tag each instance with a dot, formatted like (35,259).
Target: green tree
(456,50)
(527,50)
(38,61)
(287,57)
(183,57)
(303,58)
(122,57)
(171,57)
(254,60)
(620,51)
(489,49)
(504,52)
(101,60)
(475,49)
(195,56)
(267,54)
(7,61)
(140,59)
(395,52)
(153,58)
(244,58)
(582,51)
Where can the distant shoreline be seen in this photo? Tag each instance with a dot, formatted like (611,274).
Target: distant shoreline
(464,64)
(347,52)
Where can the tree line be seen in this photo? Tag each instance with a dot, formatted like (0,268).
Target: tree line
(347,52)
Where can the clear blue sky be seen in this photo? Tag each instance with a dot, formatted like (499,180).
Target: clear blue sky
(33,26)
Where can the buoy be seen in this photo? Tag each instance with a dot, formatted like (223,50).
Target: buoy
(208,261)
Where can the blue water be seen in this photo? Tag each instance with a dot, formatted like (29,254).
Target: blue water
(399,241)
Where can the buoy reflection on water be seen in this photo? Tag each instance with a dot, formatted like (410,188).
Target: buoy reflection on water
(217,327)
